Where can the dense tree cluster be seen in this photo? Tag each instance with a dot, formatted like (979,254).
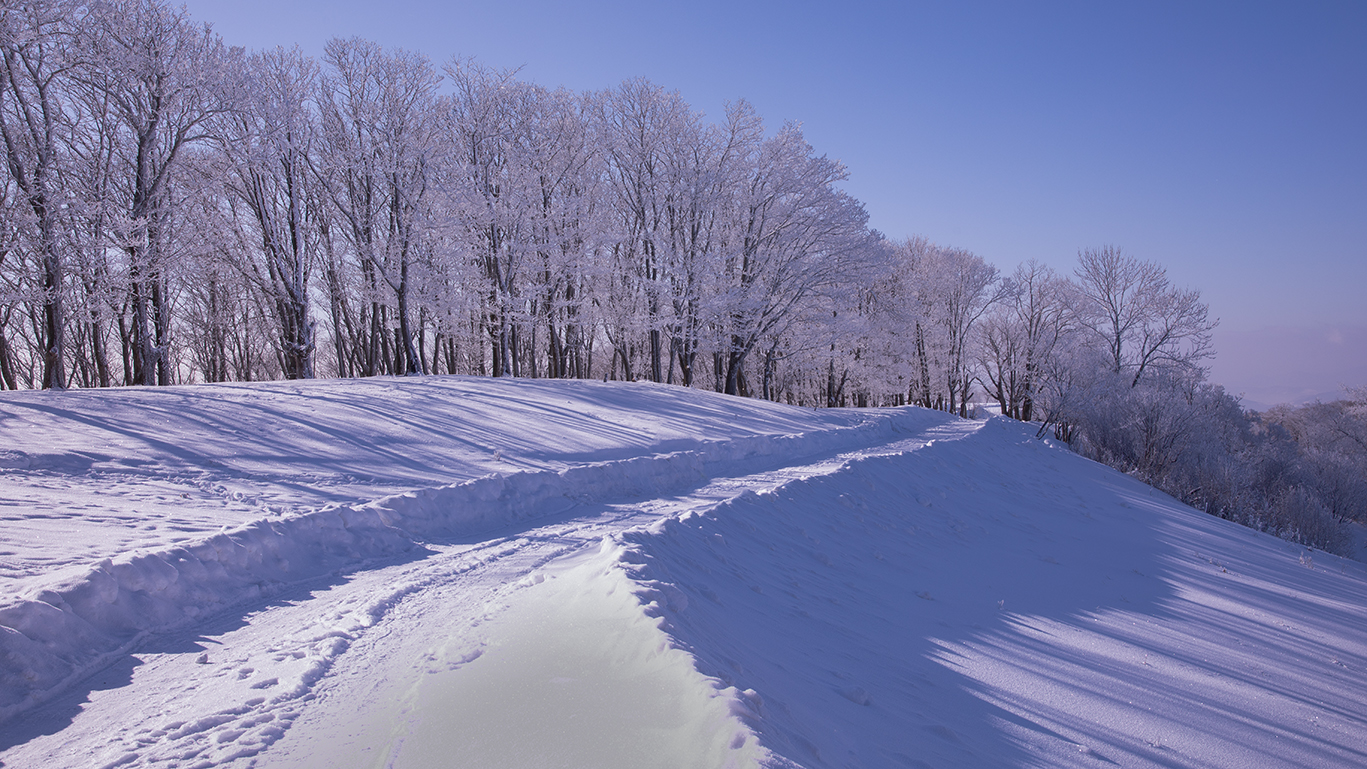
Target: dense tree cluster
(178,210)
(1110,360)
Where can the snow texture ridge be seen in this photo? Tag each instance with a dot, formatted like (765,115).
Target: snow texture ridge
(992,601)
(62,632)
(658,578)
(91,475)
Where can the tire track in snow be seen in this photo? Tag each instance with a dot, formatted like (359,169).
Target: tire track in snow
(224,694)
(58,636)
(425,627)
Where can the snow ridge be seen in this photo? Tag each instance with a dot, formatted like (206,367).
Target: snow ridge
(57,636)
(996,601)
(691,544)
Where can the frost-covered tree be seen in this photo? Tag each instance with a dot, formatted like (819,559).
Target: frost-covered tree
(796,236)
(36,48)
(213,204)
(1332,439)
(96,204)
(643,127)
(1024,336)
(703,166)
(966,286)
(269,156)
(13,284)
(941,294)
(379,145)
(1138,316)
(493,194)
(521,193)
(164,79)
(567,233)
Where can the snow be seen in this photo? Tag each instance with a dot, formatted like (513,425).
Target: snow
(465,572)
(93,474)
(577,644)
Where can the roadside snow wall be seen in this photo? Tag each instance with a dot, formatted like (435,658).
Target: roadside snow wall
(57,636)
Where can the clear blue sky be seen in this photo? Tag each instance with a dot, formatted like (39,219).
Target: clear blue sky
(1226,141)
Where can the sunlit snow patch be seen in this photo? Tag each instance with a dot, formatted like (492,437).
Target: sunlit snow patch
(575,673)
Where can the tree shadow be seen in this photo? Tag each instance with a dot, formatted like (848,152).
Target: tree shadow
(995,602)
(59,708)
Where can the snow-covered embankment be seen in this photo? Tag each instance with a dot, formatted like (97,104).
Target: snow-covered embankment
(995,601)
(56,633)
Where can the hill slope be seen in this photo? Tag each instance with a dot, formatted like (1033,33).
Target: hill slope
(475,573)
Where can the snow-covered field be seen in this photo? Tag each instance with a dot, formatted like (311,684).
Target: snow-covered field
(515,573)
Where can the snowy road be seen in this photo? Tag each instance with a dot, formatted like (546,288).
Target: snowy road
(88,475)
(362,670)
(607,575)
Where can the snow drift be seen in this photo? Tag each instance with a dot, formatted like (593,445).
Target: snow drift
(995,601)
(59,632)
(812,589)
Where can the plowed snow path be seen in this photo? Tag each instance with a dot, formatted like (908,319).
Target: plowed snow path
(87,475)
(348,671)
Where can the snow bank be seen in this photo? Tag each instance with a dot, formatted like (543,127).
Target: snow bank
(91,475)
(993,601)
(920,591)
(56,634)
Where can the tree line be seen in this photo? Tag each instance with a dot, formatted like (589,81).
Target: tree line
(179,210)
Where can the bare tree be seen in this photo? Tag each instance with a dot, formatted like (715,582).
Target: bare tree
(36,49)
(381,143)
(1140,318)
(268,146)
